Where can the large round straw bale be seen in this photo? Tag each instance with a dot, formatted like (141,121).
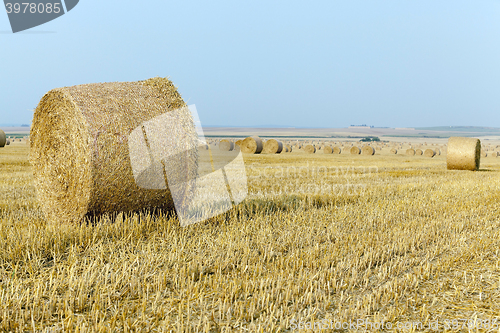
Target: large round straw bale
(310,149)
(419,152)
(410,152)
(463,153)
(368,150)
(252,145)
(429,153)
(328,150)
(394,151)
(80,150)
(355,150)
(238,142)
(273,146)
(226,145)
(337,150)
(3,138)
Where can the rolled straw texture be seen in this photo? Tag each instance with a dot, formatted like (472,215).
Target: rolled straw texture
(368,150)
(410,152)
(226,145)
(337,150)
(310,149)
(252,145)
(273,146)
(355,150)
(429,153)
(463,153)
(3,139)
(79,147)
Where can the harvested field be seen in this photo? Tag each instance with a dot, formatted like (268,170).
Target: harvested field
(391,238)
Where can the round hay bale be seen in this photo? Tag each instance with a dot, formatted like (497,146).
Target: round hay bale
(419,152)
(252,145)
(226,145)
(80,149)
(289,148)
(429,153)
(355,150)
(463,153)
(3,139)
(328,150)
(337,150)
(273,146)
(367,150)
(394,151)
(310,149)
(238,142)
(484,154)
(7,143)
(438,152)
(410,152)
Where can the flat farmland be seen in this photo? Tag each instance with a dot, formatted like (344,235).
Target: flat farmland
(321,238)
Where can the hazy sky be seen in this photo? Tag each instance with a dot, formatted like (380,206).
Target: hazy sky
(289,63)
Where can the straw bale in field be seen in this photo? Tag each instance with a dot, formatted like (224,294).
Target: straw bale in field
(226,145)
(337,150)
(463,153)
(355,150)
(368,150)
(273,146)
(410,152)
(80,149)
(252,145)
(310,149)
(328,150)
(419,152)
(429,153)
(3,139)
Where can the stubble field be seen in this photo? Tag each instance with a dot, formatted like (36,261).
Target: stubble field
(320,239)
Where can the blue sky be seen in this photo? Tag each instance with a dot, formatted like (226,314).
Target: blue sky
(287,63)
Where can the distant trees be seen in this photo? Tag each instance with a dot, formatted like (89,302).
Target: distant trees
(370,139)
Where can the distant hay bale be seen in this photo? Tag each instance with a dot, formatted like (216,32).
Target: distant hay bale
(273,146)
(438,152)
(419,152)
(394,151)
(429,153)
(410,152)
(3,139)
(484,154)
(79,147)
(463,153)
(226,145)
(328,150)
(7,143)
(310,149)
(290,149)
(368,150)
(355,150)
(252,145)
(337,150)
(494,154)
